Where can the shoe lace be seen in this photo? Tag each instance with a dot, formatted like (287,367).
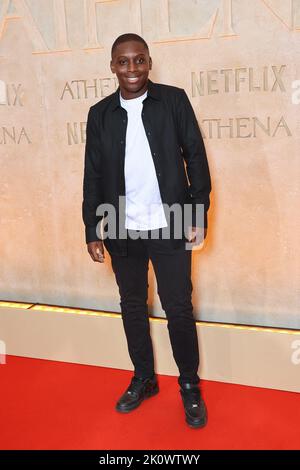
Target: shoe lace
(135,386)
(193,397)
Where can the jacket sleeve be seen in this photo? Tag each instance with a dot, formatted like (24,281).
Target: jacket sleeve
(92,187)
(194,154)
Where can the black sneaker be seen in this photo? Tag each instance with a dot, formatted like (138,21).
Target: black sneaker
(138,390)
(194,406)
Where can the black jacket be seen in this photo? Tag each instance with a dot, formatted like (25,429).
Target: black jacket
(174,138)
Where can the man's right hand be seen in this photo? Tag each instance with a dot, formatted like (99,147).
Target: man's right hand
(96,251)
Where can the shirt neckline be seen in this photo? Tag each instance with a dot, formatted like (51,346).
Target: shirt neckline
(133,100)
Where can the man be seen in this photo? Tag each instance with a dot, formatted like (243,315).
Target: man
(139,139)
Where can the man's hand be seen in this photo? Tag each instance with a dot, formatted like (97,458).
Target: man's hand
(96,251)
(196,235)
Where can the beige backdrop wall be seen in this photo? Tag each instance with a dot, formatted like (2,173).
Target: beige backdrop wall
(239,62)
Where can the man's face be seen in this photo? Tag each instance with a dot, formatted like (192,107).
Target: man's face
(131,63)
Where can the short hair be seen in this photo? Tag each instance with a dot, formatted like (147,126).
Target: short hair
(128,37)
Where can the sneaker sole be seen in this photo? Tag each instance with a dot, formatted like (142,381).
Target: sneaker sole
(201,424)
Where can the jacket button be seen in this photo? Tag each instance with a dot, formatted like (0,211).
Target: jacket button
(124,120)
(149,133)
(121,141)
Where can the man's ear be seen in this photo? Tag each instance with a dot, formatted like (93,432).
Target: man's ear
(150,63)
(112,67)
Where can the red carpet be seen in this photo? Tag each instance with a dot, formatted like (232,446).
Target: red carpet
(55,405)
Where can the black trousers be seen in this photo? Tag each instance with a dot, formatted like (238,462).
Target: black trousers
(172,269)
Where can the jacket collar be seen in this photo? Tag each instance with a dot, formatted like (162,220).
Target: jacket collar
(153,91)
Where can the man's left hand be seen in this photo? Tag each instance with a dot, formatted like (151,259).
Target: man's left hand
(196,235)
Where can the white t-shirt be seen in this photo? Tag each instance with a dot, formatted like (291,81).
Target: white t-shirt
(144,210)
